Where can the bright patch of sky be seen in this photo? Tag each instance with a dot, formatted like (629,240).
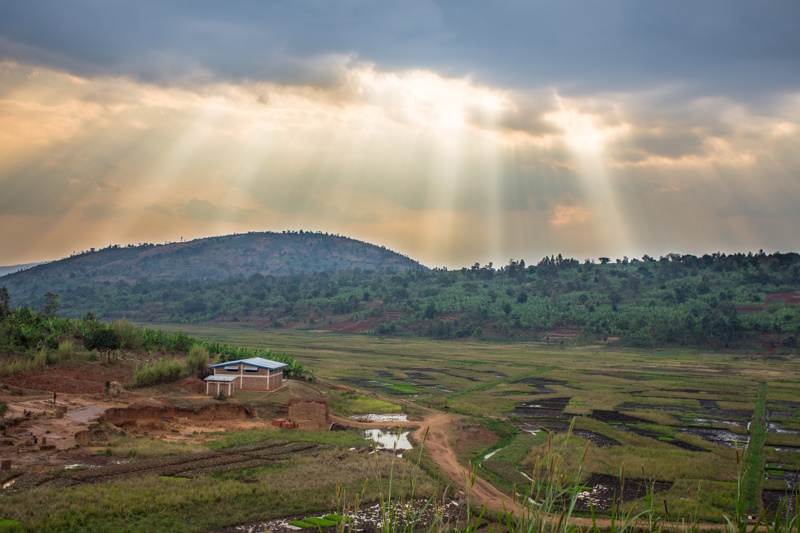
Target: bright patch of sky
(451,132)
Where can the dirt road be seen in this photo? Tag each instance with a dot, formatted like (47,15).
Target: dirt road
(481,492)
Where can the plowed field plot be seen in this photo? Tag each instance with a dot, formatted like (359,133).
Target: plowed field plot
(614,416)
(542,385)
(187,466)
(605,490)
(544,408)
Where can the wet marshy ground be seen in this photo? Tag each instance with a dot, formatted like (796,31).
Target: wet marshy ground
(559,427)
(547,408)
(604,490)
(772,499)
(614,416)
(542,385)
(719,436)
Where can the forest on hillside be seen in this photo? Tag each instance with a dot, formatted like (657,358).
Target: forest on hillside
(718,300)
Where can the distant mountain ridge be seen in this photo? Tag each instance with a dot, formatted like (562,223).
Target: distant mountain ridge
(266,253)
(5,270)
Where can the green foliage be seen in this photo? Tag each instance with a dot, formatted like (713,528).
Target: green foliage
(321,522)
(51,305)
(5,302)
(221,396)
(301,524)
(197,361)
(678,300)
(754,456)
(403,389)
(158,372)
(3,409)
(102,339)
(130,335)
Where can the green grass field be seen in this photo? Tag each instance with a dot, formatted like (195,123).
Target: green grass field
(681,400)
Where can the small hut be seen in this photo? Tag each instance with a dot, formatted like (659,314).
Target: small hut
(256,373)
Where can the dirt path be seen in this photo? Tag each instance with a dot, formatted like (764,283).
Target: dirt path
(437,444)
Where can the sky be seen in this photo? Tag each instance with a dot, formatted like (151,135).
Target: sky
(453,132)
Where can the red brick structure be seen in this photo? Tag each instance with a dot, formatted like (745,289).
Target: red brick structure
(309,413)
(247,374)
(217,384)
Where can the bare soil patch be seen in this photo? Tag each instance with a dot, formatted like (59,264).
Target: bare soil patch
(471,437)
(77,378)
(783,297)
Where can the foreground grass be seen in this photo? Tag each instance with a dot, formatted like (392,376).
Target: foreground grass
(147,448)
(334,438)
(304,484)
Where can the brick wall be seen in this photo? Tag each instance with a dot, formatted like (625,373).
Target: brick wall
(276,380)
(254,383)
(215,386)
(309,413)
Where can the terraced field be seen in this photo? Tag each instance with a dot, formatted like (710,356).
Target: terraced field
(675,416)
(179,466)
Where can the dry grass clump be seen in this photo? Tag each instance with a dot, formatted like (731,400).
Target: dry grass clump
(158,372)
(66,350)
(129,334)
(197,361)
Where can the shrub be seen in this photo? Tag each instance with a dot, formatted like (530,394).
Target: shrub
(157,372)
(102,339)
(221,396)
(197,361)
(66,350)
(3,409)
(130,335)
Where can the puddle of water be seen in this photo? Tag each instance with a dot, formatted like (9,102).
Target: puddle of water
(488,455)
(772,427)
(379,418)
(787,449)
(715,421)
(388,439)
(720,436)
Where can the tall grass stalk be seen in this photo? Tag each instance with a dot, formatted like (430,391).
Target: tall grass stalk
(157,372)
(66,350)
(129,334)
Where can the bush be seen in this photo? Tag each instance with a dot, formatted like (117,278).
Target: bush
(102,339)
(3,409)
(130,335)
(197,361)
(221,396)
(161,371)
(66,350)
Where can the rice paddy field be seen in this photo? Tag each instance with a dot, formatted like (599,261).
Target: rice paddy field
(681,418)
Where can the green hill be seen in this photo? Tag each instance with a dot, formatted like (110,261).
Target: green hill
(268,254)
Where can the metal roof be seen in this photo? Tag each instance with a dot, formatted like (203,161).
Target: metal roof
(222,378)
(255,361)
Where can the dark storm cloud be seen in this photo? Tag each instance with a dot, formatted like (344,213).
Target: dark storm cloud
(731,47)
